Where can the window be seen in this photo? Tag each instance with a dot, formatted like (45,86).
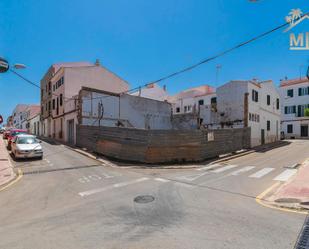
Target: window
(255,96)
(290,128)
(60,99)
(289,109)
(177,109)
(46,108)
(278,104)
(53,87)
(268,125)
(290,93)
(201,102)
(303,91)
(213,100)
(54,104)
(258,118)
(250,116)
(186,108)
(189,108)
(49,105)
(268,99)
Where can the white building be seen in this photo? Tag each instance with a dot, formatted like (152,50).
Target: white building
(19,115)
(295,99)
(152,91)
(102,108)
(34,124)
(188,101)
(59,87)
(250,104)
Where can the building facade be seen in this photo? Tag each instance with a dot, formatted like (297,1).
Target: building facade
(295,100)
(102,108)
(152,91)
(59,89)
(250,104)
(19,115)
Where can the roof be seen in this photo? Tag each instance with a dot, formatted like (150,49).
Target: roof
(57,66)
(194,92)
(291,82)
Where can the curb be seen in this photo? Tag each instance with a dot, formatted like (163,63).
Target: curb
(266,199)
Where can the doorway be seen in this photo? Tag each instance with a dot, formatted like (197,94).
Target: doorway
(71,131)
(262,136)
(304,130)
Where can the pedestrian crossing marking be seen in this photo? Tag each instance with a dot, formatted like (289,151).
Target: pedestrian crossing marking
(261,173)
(285,175)
(242,170)
(224,168)
(210,166)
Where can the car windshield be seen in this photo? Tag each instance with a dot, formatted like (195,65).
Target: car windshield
(27,140)
(14,133)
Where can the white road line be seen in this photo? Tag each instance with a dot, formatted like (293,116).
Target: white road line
(192,177)
(242,170)
(261,173)
(162,180)
(285,175)
(184,185)
(211,166)
(224,168)
(117,185)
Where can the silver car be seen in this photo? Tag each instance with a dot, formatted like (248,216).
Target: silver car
(26,146)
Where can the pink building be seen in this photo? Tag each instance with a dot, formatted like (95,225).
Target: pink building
(59,89)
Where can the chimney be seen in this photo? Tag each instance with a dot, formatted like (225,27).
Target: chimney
(97,62)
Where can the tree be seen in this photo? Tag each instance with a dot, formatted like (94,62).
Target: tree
(307,112)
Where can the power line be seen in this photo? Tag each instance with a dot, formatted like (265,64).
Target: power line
(182,70)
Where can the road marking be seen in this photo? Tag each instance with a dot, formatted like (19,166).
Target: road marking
(162,180)
(209,166)
(192,177)
(19,176)
(285,175)
(242,170)
(182,184)
(260,200)
(117,185)
(224,168)
(261,173)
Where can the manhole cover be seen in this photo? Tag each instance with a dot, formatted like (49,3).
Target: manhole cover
(144,199)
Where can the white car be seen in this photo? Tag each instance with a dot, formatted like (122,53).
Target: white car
(26,146)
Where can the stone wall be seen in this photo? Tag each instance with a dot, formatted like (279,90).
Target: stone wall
(161,146)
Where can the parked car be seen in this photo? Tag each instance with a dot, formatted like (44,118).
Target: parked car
(26,146)
(13,133)
(6,133)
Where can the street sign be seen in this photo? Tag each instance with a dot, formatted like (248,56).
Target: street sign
(4,65)
(1,119)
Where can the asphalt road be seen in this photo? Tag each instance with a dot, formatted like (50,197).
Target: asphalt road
(70,201)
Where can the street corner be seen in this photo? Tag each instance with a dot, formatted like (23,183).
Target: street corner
(291,196)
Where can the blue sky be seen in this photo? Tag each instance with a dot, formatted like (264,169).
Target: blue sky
(143,40)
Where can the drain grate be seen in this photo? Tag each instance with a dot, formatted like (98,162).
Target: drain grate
(303,239)
(144,199)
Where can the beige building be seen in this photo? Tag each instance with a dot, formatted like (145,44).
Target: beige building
(59,90)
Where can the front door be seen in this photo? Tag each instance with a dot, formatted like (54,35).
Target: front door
(71,131)
(304,130)
(262,136)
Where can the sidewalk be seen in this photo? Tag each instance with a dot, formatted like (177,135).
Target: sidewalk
(294,193)
(6,170)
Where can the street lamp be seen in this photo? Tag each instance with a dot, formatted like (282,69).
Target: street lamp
(4,65)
